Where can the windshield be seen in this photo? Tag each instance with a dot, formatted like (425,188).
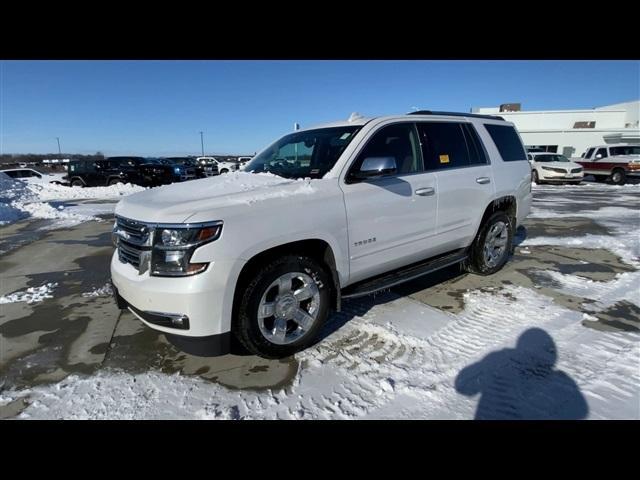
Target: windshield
(311,153)
(625,150)
(550,158)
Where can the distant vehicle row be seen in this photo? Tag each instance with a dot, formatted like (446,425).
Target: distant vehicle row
(148,172)
(614,163)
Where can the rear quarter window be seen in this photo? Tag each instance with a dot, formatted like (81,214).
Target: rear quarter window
(507,141)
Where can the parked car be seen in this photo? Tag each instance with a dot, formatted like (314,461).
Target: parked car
(554,168)
(30,175)
(264,259)
(110,171)
(611,162)
(209,164)
(154,172)
(185,168)
(221,165)
(243,161)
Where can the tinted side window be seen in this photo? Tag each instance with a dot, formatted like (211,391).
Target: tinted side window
(13,174)
(602,151)
(477,154)
(589,152)
(507,142)
(443,145)
(398,141)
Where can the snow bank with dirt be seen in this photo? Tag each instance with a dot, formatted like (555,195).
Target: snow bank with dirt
(20,200)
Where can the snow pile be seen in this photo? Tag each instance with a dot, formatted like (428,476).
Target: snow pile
(104,291)
(46,211)
(52,191)
(20,200)
(10,191)
(30,295)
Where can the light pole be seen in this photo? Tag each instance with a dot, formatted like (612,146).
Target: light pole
(202,143)
(59,151)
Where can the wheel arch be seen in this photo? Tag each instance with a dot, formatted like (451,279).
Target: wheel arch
(507,204)
(316,248)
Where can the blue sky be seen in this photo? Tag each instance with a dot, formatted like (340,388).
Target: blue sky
(159,107)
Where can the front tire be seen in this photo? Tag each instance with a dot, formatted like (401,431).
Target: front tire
(224,170)
(114,181)
(76,182)
(618,177)
(492,246)
(283,307)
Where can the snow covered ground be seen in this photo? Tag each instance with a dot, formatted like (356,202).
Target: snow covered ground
(513,351)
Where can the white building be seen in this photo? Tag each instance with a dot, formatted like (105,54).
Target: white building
(571,132)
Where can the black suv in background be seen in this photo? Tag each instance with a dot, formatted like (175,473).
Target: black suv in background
(100,173)
(146,172)
(185,168)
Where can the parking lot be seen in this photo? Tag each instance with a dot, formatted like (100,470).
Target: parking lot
(555,334)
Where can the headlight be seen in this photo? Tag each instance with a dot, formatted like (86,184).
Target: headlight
(173,248)
(176,170)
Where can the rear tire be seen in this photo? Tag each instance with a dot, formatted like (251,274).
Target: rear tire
(76,182)
(224,170)
(618,177)
(266,323)
(114,181)
(493,244)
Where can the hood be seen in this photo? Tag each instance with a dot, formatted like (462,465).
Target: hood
(566,165)
(177,202)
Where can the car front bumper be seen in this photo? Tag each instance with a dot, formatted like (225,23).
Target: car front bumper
(194,306)
(560,177)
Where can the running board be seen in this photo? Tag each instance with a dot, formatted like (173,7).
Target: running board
(396,277)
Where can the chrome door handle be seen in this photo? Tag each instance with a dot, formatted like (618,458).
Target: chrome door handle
(425,192)
(483,180)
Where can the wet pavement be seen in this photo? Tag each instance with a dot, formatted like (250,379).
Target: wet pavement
(74,332)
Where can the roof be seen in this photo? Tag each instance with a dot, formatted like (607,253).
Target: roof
(357,120)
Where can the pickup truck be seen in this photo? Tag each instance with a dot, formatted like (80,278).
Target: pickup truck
(217,166)
(260,257)
(611,162)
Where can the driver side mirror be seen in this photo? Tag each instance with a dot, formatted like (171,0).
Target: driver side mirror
(598,156)
(373,167)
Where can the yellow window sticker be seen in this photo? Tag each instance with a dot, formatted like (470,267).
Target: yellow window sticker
(444,158)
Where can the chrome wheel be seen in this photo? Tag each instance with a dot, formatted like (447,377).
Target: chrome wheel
(288,308)
(495,243)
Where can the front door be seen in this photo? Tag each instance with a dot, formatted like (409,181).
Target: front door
(390,219)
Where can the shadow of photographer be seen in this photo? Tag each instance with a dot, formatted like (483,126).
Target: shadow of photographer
(521,383)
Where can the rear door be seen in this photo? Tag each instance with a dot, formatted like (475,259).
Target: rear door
(510,168)
(391,220)
(453,151)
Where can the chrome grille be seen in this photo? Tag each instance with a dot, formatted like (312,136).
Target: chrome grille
(129,253)
(576,170)
(134,242)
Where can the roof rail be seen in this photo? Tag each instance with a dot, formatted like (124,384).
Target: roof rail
(456,114)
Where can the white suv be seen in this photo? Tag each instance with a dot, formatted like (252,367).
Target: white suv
(223,167)
(323,214)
